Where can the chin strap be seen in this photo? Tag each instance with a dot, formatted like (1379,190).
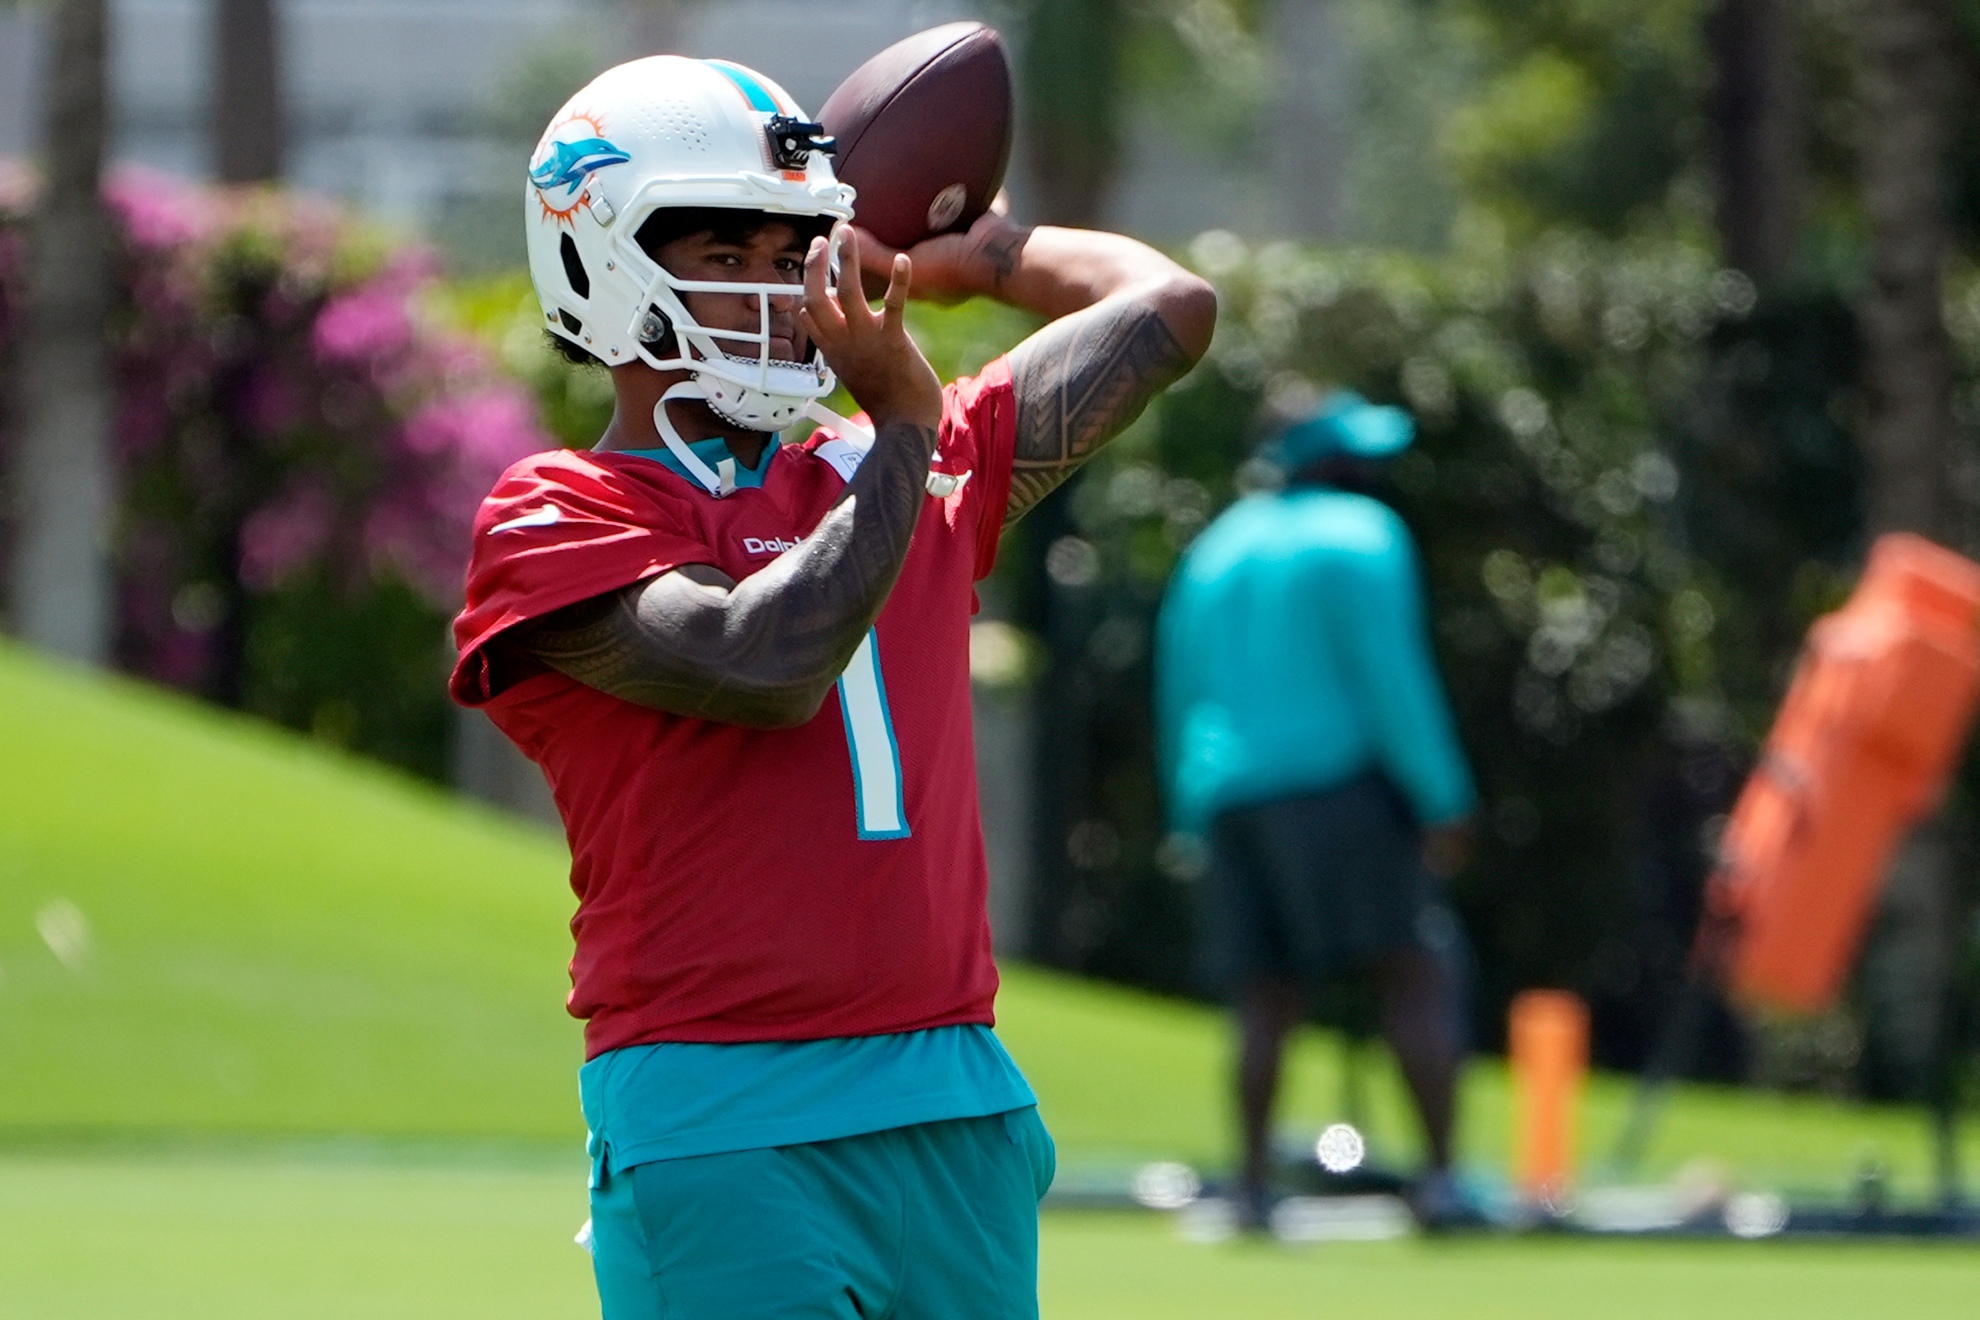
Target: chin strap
(720,480)
(854,440)
(843,453)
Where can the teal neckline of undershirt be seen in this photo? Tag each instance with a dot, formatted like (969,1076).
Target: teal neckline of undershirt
(712,451)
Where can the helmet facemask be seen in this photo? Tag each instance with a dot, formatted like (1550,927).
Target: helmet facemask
(739,379)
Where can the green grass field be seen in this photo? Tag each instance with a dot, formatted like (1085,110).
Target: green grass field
(213,1238)
(281,1034)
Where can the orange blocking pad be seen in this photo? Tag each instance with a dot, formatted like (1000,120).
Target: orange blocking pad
(1864,744)
(1548,1043)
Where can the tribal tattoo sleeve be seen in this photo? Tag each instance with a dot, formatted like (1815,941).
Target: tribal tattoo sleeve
(1080,381)
(763,652)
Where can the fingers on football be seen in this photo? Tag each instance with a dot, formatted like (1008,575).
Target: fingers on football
(901,280)
(852,294)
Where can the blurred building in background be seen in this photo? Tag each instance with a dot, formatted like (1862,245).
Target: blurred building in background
(422,111)
(391,105)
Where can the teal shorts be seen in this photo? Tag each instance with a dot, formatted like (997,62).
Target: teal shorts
(937,1221)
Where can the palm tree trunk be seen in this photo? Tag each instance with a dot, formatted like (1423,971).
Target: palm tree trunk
(61,588)
(1756,112)
(249,127)
(1071,107)
(1069,102)
(1907,80)
(655,27)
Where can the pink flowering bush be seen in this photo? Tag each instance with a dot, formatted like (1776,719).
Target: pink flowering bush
(300,450)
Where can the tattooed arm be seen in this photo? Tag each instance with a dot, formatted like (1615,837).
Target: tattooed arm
(766,651)
(1126,323)
(763,652)
(1081,380)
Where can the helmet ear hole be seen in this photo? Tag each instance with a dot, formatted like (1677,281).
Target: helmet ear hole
(569,322)
(574,270)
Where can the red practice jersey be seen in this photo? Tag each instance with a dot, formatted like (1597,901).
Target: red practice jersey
(742,884)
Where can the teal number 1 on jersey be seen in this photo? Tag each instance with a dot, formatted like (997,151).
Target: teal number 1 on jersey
(879,799)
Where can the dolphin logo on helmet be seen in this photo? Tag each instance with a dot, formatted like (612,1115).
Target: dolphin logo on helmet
(571,163)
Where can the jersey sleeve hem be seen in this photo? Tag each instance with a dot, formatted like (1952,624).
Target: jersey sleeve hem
(558,528)
(472,681)
(992,414)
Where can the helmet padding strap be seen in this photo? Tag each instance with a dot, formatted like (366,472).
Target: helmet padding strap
(721,484)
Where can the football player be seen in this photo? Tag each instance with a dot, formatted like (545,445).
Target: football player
(743,666)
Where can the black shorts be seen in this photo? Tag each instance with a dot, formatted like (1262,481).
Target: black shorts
(1310,887)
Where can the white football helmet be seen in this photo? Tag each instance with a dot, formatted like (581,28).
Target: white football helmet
(667,131)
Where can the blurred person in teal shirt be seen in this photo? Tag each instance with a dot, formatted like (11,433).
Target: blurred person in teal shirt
(1306,740)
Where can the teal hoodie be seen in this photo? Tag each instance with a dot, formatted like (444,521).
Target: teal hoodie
(1292,655)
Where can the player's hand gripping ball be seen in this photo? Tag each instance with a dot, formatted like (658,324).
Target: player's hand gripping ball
(924,132)
(876,361)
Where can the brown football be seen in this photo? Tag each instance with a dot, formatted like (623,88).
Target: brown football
(924,132)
